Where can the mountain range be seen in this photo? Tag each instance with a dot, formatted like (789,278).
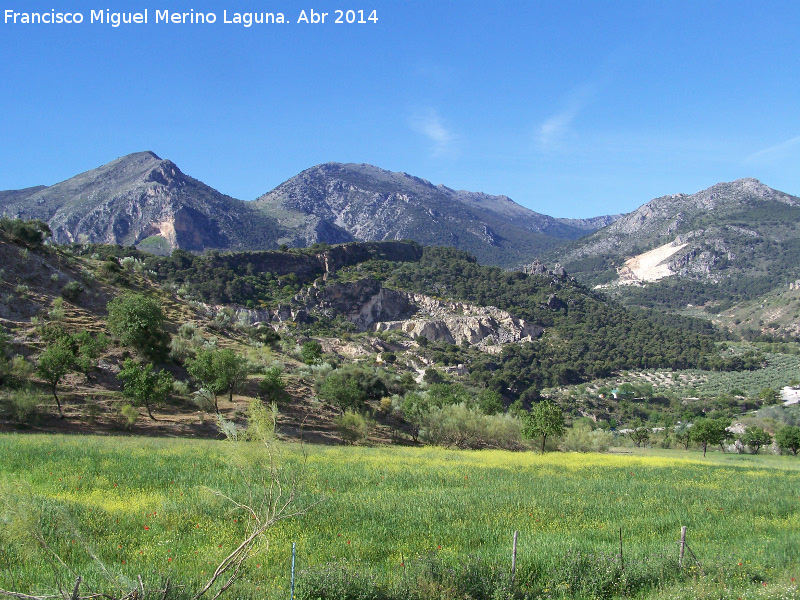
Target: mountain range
(143,200)
(733,241)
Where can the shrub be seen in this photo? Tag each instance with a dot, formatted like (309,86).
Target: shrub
(352,427)
(31,232)
(349,388)
(21,369)
(265,334)
(57,312)
(460,426)
(24,406)
(138,321)
(343,392)
(111,271)
(490,402)
(72,291)
(581,438)
(311,352)
(180,388)
(432,375)
(261,421)
(272,387)
(90,412)
(128,415)
(179,349)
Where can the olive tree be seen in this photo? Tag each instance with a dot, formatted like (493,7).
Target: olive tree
(755,438)
(545,419)
(788,438)
(138,321)
(218,371)
(709,431)
(143,386)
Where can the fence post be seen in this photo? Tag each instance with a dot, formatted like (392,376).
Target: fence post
(682,545)
(293,554)
(514,557)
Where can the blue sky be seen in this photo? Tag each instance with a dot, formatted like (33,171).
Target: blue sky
(573,109)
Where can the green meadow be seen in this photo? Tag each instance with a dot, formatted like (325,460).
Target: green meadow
(400,522)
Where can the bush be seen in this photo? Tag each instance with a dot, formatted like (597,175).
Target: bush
(350,388)
(90,412)
(272,387)
(179,349)
(490,402)
(111,271)
(138,321)
(72,291)
(21,369)
(261,422)
(352,427)
(128,415)
(581,438)
(31,232)
(311,352)
(343,392)
(265,334)
(432,375)
(24,406)
(463,427)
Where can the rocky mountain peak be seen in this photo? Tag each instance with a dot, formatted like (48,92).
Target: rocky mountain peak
(337,202)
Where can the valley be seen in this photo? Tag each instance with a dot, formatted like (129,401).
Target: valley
(377,354)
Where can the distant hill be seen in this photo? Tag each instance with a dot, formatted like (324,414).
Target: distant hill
(732,241)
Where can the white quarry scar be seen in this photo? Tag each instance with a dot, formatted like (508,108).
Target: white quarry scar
(649,266)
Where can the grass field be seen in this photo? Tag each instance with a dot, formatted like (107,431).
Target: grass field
(400,513)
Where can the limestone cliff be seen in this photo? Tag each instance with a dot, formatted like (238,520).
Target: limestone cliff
(369,306)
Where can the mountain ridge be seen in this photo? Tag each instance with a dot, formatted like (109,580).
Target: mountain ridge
(143,200)
(729,242)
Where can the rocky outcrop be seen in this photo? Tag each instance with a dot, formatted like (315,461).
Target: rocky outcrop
(372,307)
(325,262)
(487,328)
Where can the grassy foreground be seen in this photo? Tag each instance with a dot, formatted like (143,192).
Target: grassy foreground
(396,514)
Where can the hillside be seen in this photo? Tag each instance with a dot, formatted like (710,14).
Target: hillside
(392,311)
(731,242)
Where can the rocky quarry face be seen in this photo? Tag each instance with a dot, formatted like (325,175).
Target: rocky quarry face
(371,307)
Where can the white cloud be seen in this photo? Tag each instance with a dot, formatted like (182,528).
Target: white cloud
(555,129)
(428,123)
(558,128)
(776,152)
